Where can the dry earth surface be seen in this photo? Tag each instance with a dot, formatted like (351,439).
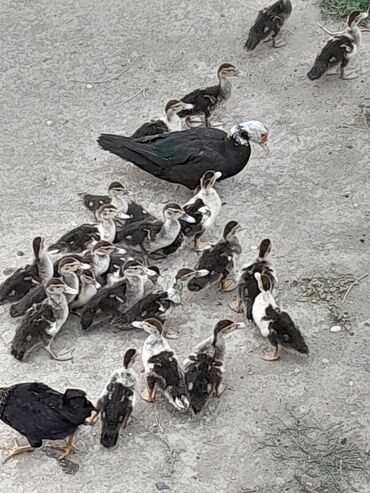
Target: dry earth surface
(67,76)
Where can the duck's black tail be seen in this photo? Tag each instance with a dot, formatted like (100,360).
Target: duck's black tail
(197,283)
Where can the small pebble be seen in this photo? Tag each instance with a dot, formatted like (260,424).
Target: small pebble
(355,205)
(20,253)
(350,383)
(49,122)
(325,361)
(162,486)
(336,328)
(254,247)
(89,86)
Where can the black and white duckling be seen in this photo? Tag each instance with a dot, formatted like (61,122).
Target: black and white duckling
(112,300)
(43,322)
(87,289)
(158,304)
(85,236)
(205,101)
(184,157)
(211,204)
(204,366)
(274,323)
(248,288)
(161,366)
(68,269)
(117,401)
(23,280)
(219,261)
(268,25)
(40,413)
(151,236)
(170,123)
(340,50)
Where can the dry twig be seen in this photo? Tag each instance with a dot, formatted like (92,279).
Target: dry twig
(114,77)
(356,281)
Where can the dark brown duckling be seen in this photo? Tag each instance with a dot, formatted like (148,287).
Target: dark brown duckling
(170,123)
(218,261)
(117,401)
(268,25)
(23,280)
(43,322)
(40,413)
(275,324)
(205,101)
(248,288)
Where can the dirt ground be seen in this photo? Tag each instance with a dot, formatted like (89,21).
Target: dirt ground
(71,70)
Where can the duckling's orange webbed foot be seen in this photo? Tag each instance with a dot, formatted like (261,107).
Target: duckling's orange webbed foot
(16,450)
(67,449)
(272,355)
(200,247)
(93,418)
(147,395)
(219,390)
(237,305)
(227,285)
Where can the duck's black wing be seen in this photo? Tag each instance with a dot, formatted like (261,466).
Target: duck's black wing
(136,233)
(283,331)
(192,209)
(19,284)
(155,127)
(203,101)
(334,52)
(36,295)
(181,157)
(93,202)
(248,289)
(77,240)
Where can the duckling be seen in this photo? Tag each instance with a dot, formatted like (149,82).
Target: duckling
(184,157)
(151,236)
(200,212)
(274,323)
(340,50)
(84,236)
(112,300)
(18,284)
(117,401)
(248,288)
(157,304)
(161,366)
(39,413)
(268,25)
(211,201)
(68,268)
(43,322)
(219,261)
(88,289)
(102,256)
(170,123)
(204,367)
(205,101)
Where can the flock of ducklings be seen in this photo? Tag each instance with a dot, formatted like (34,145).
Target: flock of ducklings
(106,272)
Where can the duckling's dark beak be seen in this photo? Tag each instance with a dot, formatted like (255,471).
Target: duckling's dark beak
(187,218)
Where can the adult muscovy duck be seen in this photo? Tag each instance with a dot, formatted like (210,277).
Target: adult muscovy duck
(183,157)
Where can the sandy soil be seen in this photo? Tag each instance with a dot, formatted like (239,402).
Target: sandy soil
(310,196)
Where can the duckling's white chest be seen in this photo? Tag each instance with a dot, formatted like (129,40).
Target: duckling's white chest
(107,230)
(152,346)
(86,293)
(212,200)
(101,264)
(261,303)
(166,236)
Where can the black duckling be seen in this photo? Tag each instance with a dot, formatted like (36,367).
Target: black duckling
(149,237)
(43,322)
(170,123)
(219,261)
(117,401)
(157,304)
(204,367)
(39,413)
(84,236)
(248,288)
(18,284)
(211,205)
(275,324)
(205,101)
(161,367)
(113,300)
(268,25)
(184,157)
(67,269)
(340,50)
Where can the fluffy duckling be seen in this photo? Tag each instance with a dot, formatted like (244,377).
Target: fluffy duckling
(156,305)
(212,204)
(268,25)
(84,236)
(161,366)
(150,236)
(113,300)
(87,289)
(205,101)
(274,323)
(39,413)
(170,123)
(43,322)
(18,284)
(204,367)
(117,401)
(68,269)
(340,50)
(219,261)
(248,288)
